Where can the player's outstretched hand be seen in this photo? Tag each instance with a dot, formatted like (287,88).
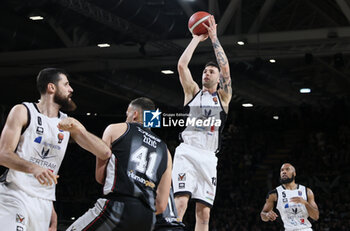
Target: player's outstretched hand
(44,176)
(271,215)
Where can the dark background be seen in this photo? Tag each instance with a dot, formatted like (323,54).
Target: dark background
(310,41)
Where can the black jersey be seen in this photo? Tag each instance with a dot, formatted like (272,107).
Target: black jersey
(168,218)
(138,162)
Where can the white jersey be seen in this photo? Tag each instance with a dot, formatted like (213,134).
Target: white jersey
(206,119)
(41,143)
(293,215)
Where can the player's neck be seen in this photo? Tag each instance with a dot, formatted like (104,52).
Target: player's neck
(47,107)
(290,186)
(210,90)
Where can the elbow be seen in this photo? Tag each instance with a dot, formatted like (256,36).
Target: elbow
(106,154)
(99,180)
(182,66)
(316,217)
(3,155)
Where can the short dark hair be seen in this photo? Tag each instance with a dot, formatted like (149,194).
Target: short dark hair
(145,104)
(214,64)
(48,75)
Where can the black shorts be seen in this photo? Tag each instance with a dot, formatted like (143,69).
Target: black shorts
(119,214)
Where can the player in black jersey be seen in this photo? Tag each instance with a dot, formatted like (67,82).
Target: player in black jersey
(168,220)
(136,178)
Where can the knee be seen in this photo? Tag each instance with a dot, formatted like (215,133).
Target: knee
(203,213)
(181,202)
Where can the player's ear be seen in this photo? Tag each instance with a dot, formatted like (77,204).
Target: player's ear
(135,115)
(51,87)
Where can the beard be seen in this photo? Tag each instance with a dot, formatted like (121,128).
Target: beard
(66,103)
(287,180)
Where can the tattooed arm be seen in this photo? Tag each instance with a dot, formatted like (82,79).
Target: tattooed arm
(225,79)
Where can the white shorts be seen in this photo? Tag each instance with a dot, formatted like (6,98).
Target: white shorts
(21,212)
(194,173)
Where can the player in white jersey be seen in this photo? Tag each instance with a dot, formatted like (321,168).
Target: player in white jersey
(194,172)
(32,147)
(295,202)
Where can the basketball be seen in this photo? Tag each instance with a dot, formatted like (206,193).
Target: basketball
(195,22)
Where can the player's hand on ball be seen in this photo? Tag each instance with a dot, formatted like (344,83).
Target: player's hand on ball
(212,27)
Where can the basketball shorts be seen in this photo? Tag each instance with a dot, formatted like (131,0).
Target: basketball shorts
(21,212)
(194,173)
(123,214)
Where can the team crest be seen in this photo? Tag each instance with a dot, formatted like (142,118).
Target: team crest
(182,177)
(300,193)
(20,219)
(44,153)
(215,99)
(60,137)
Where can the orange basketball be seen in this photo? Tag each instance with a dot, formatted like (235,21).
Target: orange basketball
(195,22)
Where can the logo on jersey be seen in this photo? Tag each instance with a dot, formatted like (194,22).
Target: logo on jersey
(302,221)
(38,139)
(284,194)
(20,218)
(300,193)
(295,210)
(215,99)
(182,177)
(151,119)
(19,228)
(284,200)
(181,185)
(147,183)
(44,153)
(60,137)
(39,130)
(213,181)
(39,121)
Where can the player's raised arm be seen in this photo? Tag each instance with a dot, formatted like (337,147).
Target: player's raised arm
(221,58)
(190,87)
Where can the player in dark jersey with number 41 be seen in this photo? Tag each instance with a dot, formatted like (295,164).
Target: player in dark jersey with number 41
(136,178)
